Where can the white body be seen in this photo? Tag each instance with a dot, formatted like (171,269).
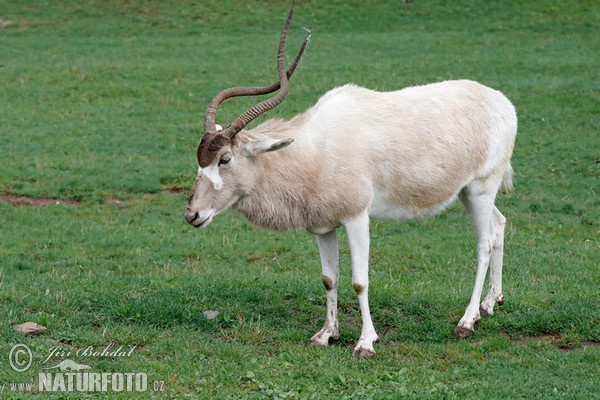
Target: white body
(360,154)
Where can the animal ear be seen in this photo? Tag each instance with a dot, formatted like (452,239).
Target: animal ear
(256,147)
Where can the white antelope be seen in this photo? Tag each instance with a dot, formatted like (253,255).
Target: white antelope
(360,154)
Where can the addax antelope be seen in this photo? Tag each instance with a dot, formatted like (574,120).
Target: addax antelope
(360,154)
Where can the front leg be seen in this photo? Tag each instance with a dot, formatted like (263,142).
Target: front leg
(328,248)
(358,239)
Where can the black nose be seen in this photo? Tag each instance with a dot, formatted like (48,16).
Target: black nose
(190,217)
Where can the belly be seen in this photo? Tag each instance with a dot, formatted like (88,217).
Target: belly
(386,206)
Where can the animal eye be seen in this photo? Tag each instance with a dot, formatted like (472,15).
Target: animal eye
(224,160)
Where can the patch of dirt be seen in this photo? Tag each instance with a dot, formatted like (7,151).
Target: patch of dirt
(562,342)
(115,202)
(547,338)
(176,191)
(16,201)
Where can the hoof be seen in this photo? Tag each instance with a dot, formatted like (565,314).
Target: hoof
(363,352)
(462,331)
(485,312)
(319,340)
(322,339)
(317,343)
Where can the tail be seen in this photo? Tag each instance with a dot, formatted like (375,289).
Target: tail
(507,183)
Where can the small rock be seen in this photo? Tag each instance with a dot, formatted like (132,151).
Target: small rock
(30,329)
(210,314)
(4,23)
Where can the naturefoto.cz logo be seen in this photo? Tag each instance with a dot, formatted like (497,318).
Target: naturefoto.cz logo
(92,381)
(71,376)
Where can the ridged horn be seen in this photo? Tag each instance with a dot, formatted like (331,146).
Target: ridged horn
(262,107)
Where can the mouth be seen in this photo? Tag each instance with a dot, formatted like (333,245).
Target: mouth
(201,224)
(196,220)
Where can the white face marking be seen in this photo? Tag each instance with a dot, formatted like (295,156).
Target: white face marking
(212,173)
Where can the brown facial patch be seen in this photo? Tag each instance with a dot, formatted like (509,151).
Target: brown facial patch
(209,148)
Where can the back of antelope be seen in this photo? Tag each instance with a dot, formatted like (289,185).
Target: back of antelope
(359,154)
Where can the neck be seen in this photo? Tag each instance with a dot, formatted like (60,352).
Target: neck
(280,199)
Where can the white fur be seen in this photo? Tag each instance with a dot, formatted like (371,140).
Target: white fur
(212,173)
(360,154)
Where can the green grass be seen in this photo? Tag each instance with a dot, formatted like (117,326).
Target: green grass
(103,100)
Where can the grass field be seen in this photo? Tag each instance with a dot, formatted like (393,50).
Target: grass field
(100,111)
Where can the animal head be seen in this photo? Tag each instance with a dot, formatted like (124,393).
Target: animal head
(224,159)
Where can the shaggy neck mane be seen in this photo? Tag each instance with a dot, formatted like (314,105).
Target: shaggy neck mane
(292,187)
(281,197)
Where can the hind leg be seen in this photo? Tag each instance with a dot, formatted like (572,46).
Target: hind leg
(495,290)
(480,204)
